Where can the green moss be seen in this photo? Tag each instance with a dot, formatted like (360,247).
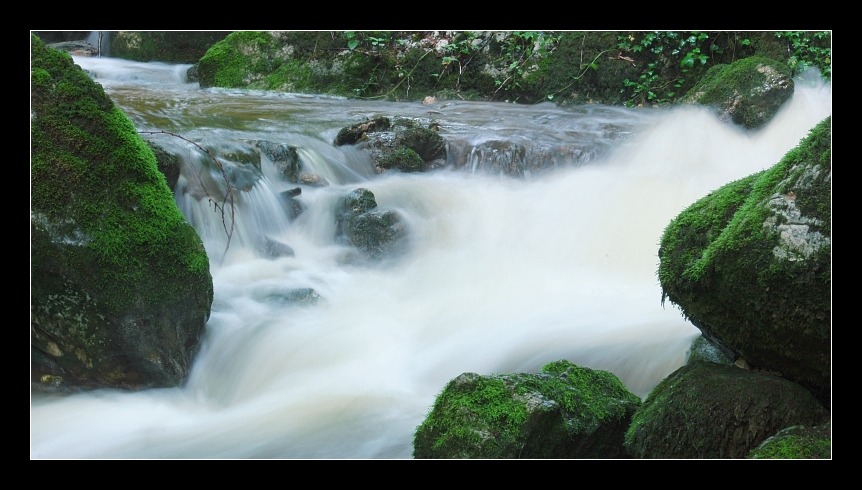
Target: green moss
(796,443)
(596,396)
(96,182)
(233,61)
(405,159)
(485,402)
(730,219)
(721,82)
(564,411)
(292,76)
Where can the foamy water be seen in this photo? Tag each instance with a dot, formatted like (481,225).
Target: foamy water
(501,275)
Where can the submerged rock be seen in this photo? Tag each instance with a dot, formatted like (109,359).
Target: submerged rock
(375,233)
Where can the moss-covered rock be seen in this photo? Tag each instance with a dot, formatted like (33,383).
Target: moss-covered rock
(405,144)
(242,59)
(165,46)
(357,133)
(748,92)
(709,410)
(798,442)
(375,233)
(405,159)
(426,142)
(566,411)
(751,265)
(120,282)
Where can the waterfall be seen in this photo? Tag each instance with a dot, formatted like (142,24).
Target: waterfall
(501,273)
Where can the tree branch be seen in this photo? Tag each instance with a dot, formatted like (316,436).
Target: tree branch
(228,194)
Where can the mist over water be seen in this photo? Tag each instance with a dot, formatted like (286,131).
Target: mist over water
(500,274)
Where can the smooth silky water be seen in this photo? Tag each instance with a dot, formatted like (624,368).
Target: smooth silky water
(499,274)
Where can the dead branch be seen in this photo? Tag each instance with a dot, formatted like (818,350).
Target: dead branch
(228,191)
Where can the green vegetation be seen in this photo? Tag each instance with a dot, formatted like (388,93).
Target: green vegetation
(120,209)
(797,443)
(611,67)
(729,220)
(239,60)
(674,54)
(672,61)
(809,49)
(405,159)
(487,399)
(728,255)
(563,411)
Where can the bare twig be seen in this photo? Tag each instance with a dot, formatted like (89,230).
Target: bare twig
(400,82)
(228,191)
(583,71)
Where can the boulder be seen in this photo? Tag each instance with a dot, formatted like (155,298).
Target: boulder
(748,92)
(405,144)
(120,282)
(797,442)
(709,410)
(750,265)
(375,233)
(565,411)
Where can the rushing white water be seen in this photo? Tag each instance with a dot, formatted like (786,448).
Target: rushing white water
(501,275)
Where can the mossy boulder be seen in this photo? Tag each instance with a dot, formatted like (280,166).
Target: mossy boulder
(375,233)
(797,442)
(400,143)
(120,282)
(748,92)
(240,60)
(287,61)
(565,411)
(750,265)
(404,159)
(359,132)
(709,410)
